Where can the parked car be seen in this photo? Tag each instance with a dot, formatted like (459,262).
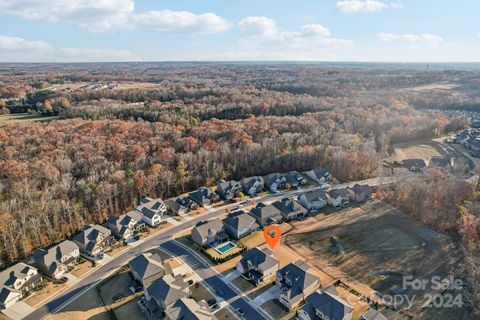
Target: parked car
(136,238)
(118,297)
(190,282)
(239,312)
(324,186)
(237,207)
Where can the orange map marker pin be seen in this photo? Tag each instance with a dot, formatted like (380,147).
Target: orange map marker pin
(267,234)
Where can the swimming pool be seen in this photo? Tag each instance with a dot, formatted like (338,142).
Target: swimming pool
(225,247)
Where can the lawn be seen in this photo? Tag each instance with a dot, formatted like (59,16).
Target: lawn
(24,117)
(201,293)
(277,311)
(82,268)
(88,306)
(48,291)
(129,310)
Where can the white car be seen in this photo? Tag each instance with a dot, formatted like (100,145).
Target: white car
(324,186)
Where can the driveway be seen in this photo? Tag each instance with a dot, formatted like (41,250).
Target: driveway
(270,294)
(232,275)
(18,310)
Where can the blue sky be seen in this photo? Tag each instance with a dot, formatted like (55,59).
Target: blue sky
(306,30)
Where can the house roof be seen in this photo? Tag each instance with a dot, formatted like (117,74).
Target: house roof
(287,205)
(264,211)
(6,292)
(358,188)
(148,265)
(17,271)
(227,186)
(440,162)
(249,182)
(262,259)
(329,304)
(297,273)
(239,220)
(121,222)
(320,172)
(168,289)
(149,203)
(295,176)
(189,309)
(50,258)
(90,233)
(335,193)
(201,195)
(373,315)
(313,195)
(213,226)
(273,178)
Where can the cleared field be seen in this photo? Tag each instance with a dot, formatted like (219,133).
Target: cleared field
(381,245)
(24,117)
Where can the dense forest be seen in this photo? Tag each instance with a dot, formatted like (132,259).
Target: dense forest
(192,124)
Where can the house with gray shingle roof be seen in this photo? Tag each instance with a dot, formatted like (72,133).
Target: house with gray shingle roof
(296,283)
(16,281)
(147,268)
(290,209)
(266,214)
(56,261)
(93,239)
(126,225)
(320,175)
(252,185)
(275,181)
(360,193)
(163,293)
(181,205)
(239,224)
(339,198)
(296,179)
(414,165)
(189,309)
(229,190)
(209,233)
(152,210)
(258,265)
(204,196)
(313,199)
(326,305)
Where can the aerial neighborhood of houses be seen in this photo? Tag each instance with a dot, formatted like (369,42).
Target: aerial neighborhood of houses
(162,282)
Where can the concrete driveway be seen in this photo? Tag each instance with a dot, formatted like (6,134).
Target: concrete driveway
(270,294)
(18,310)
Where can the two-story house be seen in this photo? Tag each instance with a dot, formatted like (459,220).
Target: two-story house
(239,224)
(326,305)
(181,205)
(16,281)
(275,181)
(313,200)
(147,268)
(414,165)
(209,233)
(229,190)
(290,209)
(126,225)
(258,266)
(320,175)
(339,198)
(360,193)
(266,214)
(152,210)
(252,185)
(296,283)
(92,240)
(163,293)
(204,196)
(295,179)
(56,261)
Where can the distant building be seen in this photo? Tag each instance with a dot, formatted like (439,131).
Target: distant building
(181,205)
(313,199)
(152,210)
(252,185)
(209,233)
(414,165)
(360,193)
(258,265)
(204,196)
(320,175)
(275,181)
(16,281)
(56,261)
(339,198)
(229,190)
(295,179)
(296,283)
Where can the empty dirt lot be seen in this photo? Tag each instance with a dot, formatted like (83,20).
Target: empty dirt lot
(381,245)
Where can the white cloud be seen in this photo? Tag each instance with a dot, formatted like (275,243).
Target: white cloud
(267,41)
(418,38)
(180,22)
(15,49)
(102,15)
(350,6)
